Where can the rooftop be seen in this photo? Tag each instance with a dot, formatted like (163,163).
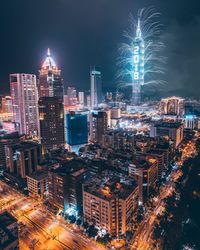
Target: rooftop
(38,175)
(110,184)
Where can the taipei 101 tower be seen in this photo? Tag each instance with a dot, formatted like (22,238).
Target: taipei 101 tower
(138,65)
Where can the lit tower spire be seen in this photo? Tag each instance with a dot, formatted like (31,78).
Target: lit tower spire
(138,30)
(138,64)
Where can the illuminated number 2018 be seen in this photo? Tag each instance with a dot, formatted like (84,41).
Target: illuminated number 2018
(136,75)
(136,59)
(136,50)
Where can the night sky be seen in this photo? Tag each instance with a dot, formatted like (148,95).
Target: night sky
(81,33)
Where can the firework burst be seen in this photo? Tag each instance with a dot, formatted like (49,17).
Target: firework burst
(140,61)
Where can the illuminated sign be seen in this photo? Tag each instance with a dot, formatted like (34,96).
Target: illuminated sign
(138,61)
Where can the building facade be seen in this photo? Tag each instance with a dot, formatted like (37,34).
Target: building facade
(50,82)
(76,129)
(25,103)
(22,158)
(98,125)
(65,186)
(109,204)
(37,184)
(172,130)
(95,87)
(51,115)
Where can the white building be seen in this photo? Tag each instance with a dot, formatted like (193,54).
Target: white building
(25,103)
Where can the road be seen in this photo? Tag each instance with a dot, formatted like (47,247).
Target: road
(40,229)
(142,239)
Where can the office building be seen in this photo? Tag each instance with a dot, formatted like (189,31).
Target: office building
(95,87)
(50,82)
(76,131)
(9,237)
(25,103)
(37,184)
(65,186)
(22,158)
(7,139)
(171,130)
(51,115)
(109,202)
(98,125)
(172,106)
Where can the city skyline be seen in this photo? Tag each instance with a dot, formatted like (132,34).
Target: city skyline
(75,58)
(100,130)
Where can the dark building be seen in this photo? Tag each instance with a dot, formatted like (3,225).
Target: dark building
(22,158)
(76,129)
(50,82)
(65,186)
(9,239)
(98,126)
(51,116)
(7,139)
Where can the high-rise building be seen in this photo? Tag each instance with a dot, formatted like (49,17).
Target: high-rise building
(76,130)
(138,65)
(81,98)
(145,172)
(65,186)
(22,158)
(7,105)
(50,82)
(98,125)
(72,96)
(110,202)
(95,87)
(51,115)
(25,103)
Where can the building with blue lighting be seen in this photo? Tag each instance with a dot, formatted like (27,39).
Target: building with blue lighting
(76,130)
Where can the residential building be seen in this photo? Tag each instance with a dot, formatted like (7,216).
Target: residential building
(109,202)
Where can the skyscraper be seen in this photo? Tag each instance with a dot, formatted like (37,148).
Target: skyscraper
(76,130)
(25,103)
(51,116)
(138,65)
(95,87)
(50,82)
(98,125)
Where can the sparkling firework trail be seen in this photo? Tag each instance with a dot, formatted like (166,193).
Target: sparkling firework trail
(140,61)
